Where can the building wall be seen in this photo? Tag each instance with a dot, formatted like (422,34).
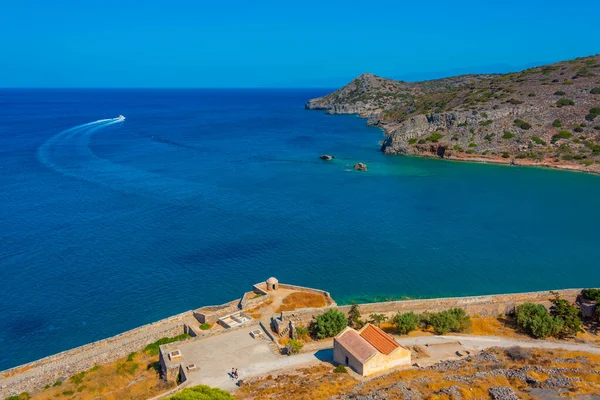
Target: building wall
(340,354)
(382,362)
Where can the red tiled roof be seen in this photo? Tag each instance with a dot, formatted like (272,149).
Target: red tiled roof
(356,345)
(379,339)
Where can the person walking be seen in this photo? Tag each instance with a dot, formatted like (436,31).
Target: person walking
(236,374)
(232,374)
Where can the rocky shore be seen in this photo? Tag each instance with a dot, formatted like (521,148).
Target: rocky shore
(547,116)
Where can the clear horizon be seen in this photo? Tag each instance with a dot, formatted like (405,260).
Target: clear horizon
(272,45)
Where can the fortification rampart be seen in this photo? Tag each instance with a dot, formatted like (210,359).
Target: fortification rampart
(489,305)
(35,375)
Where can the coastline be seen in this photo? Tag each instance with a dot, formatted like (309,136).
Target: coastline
(36,374)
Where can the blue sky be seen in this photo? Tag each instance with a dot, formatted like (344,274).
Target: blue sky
(268,43)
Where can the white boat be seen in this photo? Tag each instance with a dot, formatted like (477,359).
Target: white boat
(121,118)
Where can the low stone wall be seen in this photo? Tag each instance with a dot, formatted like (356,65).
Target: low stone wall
(35,375)
(249,301)
(210,314)
(490,305)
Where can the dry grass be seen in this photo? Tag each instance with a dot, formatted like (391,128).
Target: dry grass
(494,326)
(133,377)
(302,300)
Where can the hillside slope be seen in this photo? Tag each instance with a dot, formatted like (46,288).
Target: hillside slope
(547,116)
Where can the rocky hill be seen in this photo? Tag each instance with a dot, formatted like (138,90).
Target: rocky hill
(546,116)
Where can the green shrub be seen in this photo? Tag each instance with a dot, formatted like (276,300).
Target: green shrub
(435,137)
(78,378)
(559,93)
(422,141)
(457,148)
(514,101)
(202,392)
(68,393)
(565,102)
(561,135)
(505,154)
(578,130)
(508,135)
(412,141)
(486,123)
(595,91)
(489,137)
(557,123)
(57,383)
(406,322)
(22,396)
(537,140)
(595,111)
(462,124)
(354,317)
(590,117)
(592,294)
(330,324)
(452,320)
(569,314)
(340,369)
(522,124)
(153,348)
(377,319)
(567,157)
(472,144)
(535,320)
(294,346)
(205,326)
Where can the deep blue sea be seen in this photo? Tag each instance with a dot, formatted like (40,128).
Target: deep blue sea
(200,193)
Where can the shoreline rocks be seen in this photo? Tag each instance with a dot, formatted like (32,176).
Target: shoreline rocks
(360,166)
(326,157)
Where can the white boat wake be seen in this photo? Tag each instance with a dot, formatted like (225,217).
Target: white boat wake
(69,154)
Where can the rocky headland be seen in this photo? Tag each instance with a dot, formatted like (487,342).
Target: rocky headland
(543,116)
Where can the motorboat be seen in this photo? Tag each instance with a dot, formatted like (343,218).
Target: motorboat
(121,118)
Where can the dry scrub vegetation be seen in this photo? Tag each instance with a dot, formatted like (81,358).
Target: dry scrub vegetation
(302,300)
(132,377)
(571,373)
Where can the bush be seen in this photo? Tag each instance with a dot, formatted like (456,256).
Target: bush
(301,331)
(538,140)
(22,396)
(486,123)
(561,135)
(202,392)
(565,102)
(453,320)
(522,124)
(329,324)
(590,117)
(508,135)
(535,320)
(489,137)
(406,322)
(592,294)
(422,141)
(340,369)
(412,141)
(595,111)
(472,144)
(559,93)
(435,137)
(205,327)
(354,317)
(458,148)
(377,319)
(153,348)
(569,314)
(557,123)
(518,353)
(505,154)
(595,91)
(514,101)
(78,378)
(294,346)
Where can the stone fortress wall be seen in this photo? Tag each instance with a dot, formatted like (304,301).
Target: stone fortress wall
(489,305)
(35,375)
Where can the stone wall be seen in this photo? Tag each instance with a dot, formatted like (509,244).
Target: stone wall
(474,305)
(249,300)
(35,375)
(210,314)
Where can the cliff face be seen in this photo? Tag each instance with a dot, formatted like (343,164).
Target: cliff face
(548,115)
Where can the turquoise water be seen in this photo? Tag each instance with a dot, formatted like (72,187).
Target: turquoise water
(198,194)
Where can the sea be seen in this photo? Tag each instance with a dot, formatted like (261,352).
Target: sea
(109,224)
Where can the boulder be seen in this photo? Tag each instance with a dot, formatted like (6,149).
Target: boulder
(326,157)
(360,166)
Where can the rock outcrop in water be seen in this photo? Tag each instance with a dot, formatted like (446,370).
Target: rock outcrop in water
(545,116)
